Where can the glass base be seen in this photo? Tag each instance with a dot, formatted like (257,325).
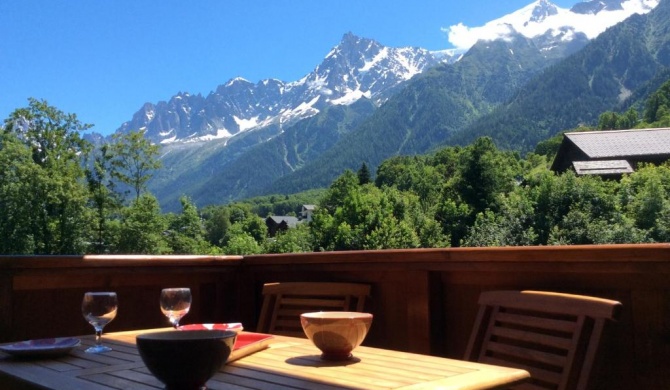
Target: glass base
(98,349)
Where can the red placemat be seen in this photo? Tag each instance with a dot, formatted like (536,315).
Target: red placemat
(248,343)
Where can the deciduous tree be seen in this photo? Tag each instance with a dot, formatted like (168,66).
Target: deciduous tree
(50,184)
(135,160)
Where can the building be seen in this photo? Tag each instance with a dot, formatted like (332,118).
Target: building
(611,153)
(307,212)
(276,223)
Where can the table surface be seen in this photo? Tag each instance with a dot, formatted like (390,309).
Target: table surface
(286,363)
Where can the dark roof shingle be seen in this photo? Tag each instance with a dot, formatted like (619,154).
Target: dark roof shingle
(623,143)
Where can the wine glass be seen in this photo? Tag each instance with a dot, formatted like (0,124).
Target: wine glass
(99,309)
(175,303)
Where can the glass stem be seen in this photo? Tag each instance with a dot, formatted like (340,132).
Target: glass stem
(98,336)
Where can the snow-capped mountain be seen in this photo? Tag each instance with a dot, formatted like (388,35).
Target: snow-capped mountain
(363,68)
(355,68)
(550,26)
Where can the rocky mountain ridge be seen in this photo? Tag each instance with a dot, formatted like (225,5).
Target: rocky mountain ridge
(355,68)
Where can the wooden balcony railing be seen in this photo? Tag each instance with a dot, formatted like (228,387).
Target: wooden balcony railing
(423,300)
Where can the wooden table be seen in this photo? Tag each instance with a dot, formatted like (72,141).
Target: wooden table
(287,363)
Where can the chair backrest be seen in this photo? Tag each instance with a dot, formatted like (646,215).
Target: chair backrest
(553,336)
(284,302)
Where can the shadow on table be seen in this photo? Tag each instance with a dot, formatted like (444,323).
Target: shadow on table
(316,361)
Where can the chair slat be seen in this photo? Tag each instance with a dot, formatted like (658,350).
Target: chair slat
(538,322)
(527,354)
(294,312)
(528,337)
(288,301)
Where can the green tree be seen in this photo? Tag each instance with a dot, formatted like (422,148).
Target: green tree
(142,228)
(217,222)
(419,175)
(294,240)
(608,121)
(549,147)
(511,226)
(657,105)
(455,217)
(56,196)
(239,242)
(104,200)
(485,173)
(19,177)
(662,230)
(644,197)
(613,121)
(567,205)
(367,217)
(364,174)
(52,135)
(339,190)
(186,233)
(135,160)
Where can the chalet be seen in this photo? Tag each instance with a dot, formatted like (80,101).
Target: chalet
(611,153)
(307,212)
(276,223)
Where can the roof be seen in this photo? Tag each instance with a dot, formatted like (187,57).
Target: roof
(602,167)
(622,143)
(635,146)
(290,221)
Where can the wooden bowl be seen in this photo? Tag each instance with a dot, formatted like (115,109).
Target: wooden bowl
(336,333)
(185,359)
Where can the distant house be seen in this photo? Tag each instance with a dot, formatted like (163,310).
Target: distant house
(307,212)
(612,153)
(276,223)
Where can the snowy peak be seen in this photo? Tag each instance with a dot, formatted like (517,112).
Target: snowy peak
(590,18)
(360,67)
(595,6)
(356,68)
(541,10)
(542,19)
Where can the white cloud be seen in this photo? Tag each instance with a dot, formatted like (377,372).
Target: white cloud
(463,37)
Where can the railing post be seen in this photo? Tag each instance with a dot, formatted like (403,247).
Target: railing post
(418,311)
(6,304)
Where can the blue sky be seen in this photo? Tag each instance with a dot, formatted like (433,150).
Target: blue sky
(103,59)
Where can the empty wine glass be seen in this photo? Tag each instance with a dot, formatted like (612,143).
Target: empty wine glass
(175,303)
(99,309)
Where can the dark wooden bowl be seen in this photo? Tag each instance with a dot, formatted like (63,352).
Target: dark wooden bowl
(185,359)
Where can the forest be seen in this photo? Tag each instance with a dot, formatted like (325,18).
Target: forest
(61,195)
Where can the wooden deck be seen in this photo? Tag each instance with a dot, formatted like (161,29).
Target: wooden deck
(424,301)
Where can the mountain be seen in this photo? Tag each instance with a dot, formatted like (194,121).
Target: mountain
(355,68)
(311,152)
(551,27)
(429,110)
(435,109)
(217,175)
(247,138)
(617,69)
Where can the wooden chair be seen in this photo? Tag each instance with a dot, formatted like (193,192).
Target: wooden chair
(553,336)
(284,302)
